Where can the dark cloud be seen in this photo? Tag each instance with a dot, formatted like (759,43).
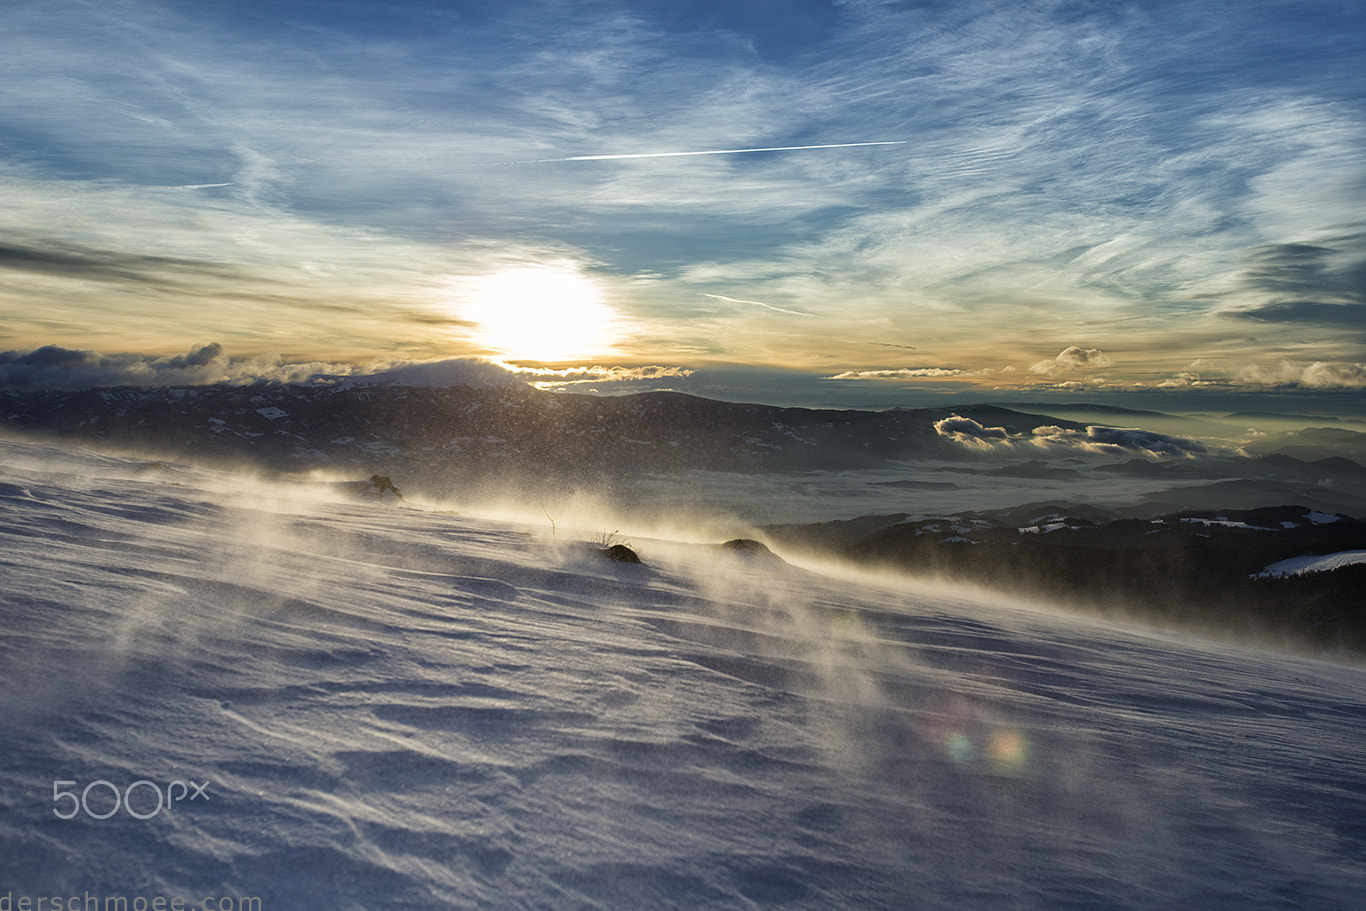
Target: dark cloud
(1309,283)
(434,319)
(1337,271)
(54,367)
(91,264)
(1348,316)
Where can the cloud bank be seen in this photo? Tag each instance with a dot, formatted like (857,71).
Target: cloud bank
(1094,440)
(904,373)
(1318,375)
(55,367)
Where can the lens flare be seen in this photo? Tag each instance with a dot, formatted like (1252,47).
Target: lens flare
(1008,752)
(959,746)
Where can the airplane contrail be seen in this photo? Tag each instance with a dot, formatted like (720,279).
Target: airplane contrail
(736,300)
(832,145)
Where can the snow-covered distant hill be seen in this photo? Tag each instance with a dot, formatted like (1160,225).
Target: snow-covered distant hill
(323,702)
(454,438)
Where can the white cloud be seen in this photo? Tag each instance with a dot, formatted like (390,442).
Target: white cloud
(1185,380)
(565,376)
(1094,440)
(1070,359)
(1334,376)
(1316,375)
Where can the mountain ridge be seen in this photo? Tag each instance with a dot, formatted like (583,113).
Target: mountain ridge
(290,426)
(443,436)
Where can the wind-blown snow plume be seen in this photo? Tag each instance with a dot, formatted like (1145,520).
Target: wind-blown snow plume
(403,707)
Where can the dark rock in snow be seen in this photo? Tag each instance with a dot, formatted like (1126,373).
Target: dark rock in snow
(379,487)
(621,553)
(750,549)
(383,485)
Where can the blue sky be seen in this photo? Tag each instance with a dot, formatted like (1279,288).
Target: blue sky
(1084,197)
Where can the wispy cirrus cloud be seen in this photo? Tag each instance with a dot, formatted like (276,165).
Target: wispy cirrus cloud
(625,156)
(775,309)
(1127,175)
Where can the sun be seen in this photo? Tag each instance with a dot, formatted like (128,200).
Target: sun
(549,312)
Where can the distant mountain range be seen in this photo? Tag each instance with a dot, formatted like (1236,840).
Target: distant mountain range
(437,437)
(459,428)
(1156,556)
(1208,570)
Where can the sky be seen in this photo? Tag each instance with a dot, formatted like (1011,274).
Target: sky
(1159,198)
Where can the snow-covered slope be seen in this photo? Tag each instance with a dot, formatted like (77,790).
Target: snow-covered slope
(1315,563)
(373,706)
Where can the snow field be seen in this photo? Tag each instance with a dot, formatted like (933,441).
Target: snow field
(402,708)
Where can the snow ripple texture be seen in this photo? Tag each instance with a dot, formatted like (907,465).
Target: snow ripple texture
(402,708)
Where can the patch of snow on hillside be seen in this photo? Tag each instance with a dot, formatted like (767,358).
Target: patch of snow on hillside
(1315,563)
(1042,529)
(1223,523)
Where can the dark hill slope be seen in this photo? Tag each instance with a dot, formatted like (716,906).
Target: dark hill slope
(464,429)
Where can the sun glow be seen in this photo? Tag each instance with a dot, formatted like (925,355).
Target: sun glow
(548,312)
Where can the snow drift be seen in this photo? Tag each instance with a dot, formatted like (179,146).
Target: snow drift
(392,707)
